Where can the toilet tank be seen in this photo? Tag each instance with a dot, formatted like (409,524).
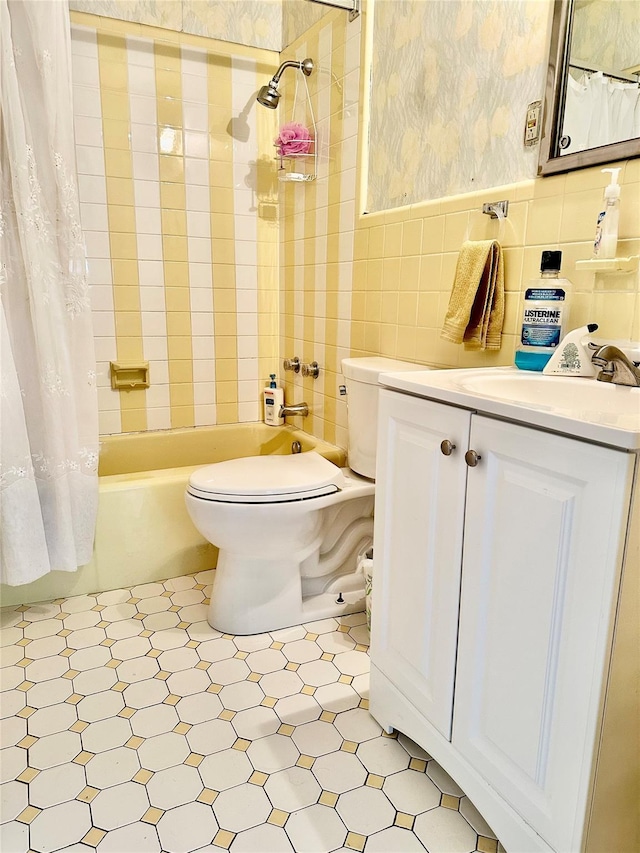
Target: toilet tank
(361,378)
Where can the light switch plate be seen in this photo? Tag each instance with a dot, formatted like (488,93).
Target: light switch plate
(532,124)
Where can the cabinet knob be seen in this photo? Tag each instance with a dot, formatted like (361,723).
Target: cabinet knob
(472,458)
(447,447)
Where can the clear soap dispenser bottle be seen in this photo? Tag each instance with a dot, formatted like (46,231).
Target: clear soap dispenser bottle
(606,240)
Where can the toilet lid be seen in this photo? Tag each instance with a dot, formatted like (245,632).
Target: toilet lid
(267,479)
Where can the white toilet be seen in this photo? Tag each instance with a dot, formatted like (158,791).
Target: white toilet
(289,528)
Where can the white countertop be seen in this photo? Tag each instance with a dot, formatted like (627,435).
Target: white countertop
(575,406)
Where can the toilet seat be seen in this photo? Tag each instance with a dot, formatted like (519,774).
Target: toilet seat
(267,479)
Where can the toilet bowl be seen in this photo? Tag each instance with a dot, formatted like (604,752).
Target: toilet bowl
(289,528)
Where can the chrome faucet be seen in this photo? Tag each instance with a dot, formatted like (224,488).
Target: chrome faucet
(615,367)
(301,409)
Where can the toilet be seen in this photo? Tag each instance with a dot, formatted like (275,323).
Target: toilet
(290,528)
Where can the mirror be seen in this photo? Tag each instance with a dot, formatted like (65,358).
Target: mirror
(592,101)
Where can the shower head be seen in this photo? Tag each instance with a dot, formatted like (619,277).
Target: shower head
(268,95)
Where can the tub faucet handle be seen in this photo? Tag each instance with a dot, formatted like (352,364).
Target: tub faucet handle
(311,370)
(292,364)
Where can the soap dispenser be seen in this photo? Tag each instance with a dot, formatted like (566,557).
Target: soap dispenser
(606,239)
(572,357)
(273,402)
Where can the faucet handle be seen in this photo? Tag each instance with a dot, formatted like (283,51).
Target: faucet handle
(311,369)
(292,364)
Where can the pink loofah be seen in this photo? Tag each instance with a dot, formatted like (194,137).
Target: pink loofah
(293,138)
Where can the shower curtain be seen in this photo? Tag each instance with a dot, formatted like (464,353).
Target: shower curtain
(48,402)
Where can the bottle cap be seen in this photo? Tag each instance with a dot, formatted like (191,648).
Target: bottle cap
(551,261)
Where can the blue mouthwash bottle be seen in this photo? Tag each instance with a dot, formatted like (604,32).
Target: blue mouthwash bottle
(545,314)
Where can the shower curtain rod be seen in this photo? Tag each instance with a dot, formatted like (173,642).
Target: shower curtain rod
(584,66)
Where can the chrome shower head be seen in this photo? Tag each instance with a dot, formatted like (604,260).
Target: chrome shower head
(268,95)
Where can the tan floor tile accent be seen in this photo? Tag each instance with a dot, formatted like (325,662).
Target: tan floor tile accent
(27,685)
(146,634)
(134,742)
(310,636)
(241,744)
(278,818)
(133,600)
(345,679)
(224,839)
(103,624)
(23,609)
(227,715)
(24,662)
(308,690)
(360,648)
(94,837)
(183,624)
(364,703)
(286,729)
(29,814)
(61,616)
(418,764)
(171,699)
(344,629)
(269,702)
(214,688)
(143,776)
(120,687)
(292,667)
(305,761)
(71,673)
(449,802)
(390,735)
(166,594)
(88,794)
(83,757)
(374,781)
(404,820)
(193,644)
(108,643)
(28,775)
(200,587)
(174,608)
(348,746)
(153,653)
(355,841)
(23,624)
(328,716)
(254,676)
(328,798)
(140,616)
(127,713)
(258,778)
(152,815)
(162,675)
(79,726)
(241,655)
(66,653)
(23,642)
(182,728)
(276,645)
(27,741)
(487,845)
(194,759)
(26,712)
(74,699)
(207,796)
(112,664)
(203,664)
(99,608)
(65,631)
(327,656)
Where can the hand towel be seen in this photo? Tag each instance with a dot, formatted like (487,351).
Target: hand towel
(476,308)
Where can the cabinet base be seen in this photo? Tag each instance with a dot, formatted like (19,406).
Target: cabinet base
(392,710)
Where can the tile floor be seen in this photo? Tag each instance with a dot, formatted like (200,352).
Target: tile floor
(130,725)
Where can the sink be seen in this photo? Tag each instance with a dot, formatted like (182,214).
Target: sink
(576,406)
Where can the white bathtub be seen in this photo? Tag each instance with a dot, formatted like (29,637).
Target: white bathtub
(143,532)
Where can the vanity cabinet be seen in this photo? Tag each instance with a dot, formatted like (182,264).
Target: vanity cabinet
(497,613)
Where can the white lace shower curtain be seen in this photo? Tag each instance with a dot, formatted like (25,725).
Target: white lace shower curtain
(48,405)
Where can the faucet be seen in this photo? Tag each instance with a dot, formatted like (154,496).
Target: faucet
(301,409)
(615,367)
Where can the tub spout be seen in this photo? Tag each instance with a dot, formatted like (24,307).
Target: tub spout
(301,409)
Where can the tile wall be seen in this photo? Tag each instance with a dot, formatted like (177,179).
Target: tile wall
(178,206)
(380,283)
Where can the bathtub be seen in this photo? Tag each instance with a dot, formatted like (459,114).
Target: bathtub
(143,531)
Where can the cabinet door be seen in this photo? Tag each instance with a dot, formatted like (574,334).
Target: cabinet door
(417,550)
(544,532)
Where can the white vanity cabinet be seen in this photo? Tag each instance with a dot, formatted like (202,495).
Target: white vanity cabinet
(503,640)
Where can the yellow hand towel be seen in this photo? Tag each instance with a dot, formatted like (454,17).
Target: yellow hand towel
(476,308)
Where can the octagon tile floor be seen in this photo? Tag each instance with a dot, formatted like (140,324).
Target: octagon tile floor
(130,725)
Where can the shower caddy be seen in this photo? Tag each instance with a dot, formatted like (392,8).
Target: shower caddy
(301,167)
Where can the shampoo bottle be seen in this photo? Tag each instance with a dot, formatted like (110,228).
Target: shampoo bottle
(273,401)
(545,314)
(606,240)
